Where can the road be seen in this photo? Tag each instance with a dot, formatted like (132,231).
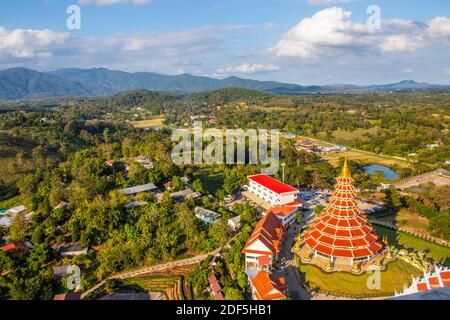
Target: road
(289,270)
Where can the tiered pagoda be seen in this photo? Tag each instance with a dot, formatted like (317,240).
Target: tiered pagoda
(342,237)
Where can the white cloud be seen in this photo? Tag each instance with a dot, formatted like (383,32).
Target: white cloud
(246,68)
(440,27)
(322,2)
(447,71)
(331,31)
(150,51)
(28,43)
(408,70)
(111,2)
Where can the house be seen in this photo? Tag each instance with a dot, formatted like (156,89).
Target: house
(215,287)
(61,271)
(271,190)
(264,245)
(6,222)
(181,196)
(214,284)
(72,250)
(286,213)
(135,204)
(73,296)
(206,215)
(62,205)
(17,210)
(17,245)
(168,185)
(185,181)
(265,287)
(334,149)
(235,223)
(139,189)
(110,163)
(145,162)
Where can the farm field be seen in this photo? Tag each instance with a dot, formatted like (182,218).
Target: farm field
(358,133)
(159,122)
(365,157)
(170,286)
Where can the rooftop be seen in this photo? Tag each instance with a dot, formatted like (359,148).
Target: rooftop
(268,288)
(286,209)
(273,184)
(269,231)
(139,189)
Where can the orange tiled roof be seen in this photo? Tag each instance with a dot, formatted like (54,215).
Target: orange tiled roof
(269,231)
(13,246)
(343,230)
(286,209)
(437,280)
(267,288)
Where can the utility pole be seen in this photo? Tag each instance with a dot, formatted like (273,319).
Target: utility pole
(282,166)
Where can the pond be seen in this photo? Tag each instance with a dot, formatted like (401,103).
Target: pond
(389,174)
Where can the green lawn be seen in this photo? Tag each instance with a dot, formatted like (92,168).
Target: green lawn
(401,239)
(393,278)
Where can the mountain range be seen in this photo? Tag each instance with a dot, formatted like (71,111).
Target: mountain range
(24,84)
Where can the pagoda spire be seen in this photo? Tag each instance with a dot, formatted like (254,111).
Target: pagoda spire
(345,173)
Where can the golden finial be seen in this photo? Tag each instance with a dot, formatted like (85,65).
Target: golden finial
(345,173)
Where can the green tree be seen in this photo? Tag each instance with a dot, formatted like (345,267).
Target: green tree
(197,185)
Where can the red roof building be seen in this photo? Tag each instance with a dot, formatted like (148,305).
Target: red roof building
(342,231)
(286,213)
(264,287)
(271,190)
(13,246)
(264,244)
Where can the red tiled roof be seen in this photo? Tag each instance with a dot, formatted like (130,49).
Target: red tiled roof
(342,230)
(13,246)
(272,184)
(267,288)
(422,287)
(269,230)
(285,210)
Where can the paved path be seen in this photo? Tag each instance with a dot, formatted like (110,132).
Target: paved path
(289,270)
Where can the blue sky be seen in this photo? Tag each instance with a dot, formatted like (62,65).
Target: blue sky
(299,41)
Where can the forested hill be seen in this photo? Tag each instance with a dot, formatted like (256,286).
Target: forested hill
(25,84)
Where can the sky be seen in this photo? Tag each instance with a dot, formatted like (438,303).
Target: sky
(308,42)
